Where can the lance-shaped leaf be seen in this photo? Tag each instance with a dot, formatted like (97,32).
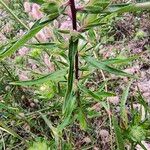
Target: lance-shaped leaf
(50,46)
(82,119)
(123,105)
(41,45)
(98,96)
(52,128)
(67,119)
(73,44)
(129,7)
(117,8)
(105,67)
(119,60)
(35,29)
(54,76)
(142,101)
(119,138)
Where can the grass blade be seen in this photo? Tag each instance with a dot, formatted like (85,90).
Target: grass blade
(52,128)
(123,111)
(119,138)
(10,131)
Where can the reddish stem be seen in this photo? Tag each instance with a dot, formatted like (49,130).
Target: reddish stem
(73,12)
(74,26)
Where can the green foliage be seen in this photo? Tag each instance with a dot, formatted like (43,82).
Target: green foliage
(137,133)
(82,120)
(103,66)
(49,8)
(123,110)
(119,137)
(46,90)
(67,91)
(55,76)
(71,56)
(39,146)
(37,1)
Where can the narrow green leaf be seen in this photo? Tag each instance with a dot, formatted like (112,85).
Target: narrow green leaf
(42,45)
(103,66)
(82,119)
(118,134)
(93,114)
(54,76)
(52,128)
(73,44)
(97,97)
(96,6)
(21,42)
(143,102)
(116,8)
(13,14)
(25,38)
(119,61)
(6,107)
(50,46)
(104,94)
(123,111)
(68,114)
(133,7)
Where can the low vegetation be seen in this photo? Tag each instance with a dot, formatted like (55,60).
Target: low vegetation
(74,75)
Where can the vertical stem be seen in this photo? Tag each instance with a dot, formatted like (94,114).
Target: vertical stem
(74,26)
(73,12)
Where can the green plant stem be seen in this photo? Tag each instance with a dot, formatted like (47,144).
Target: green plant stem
(145,5)
(12,13)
